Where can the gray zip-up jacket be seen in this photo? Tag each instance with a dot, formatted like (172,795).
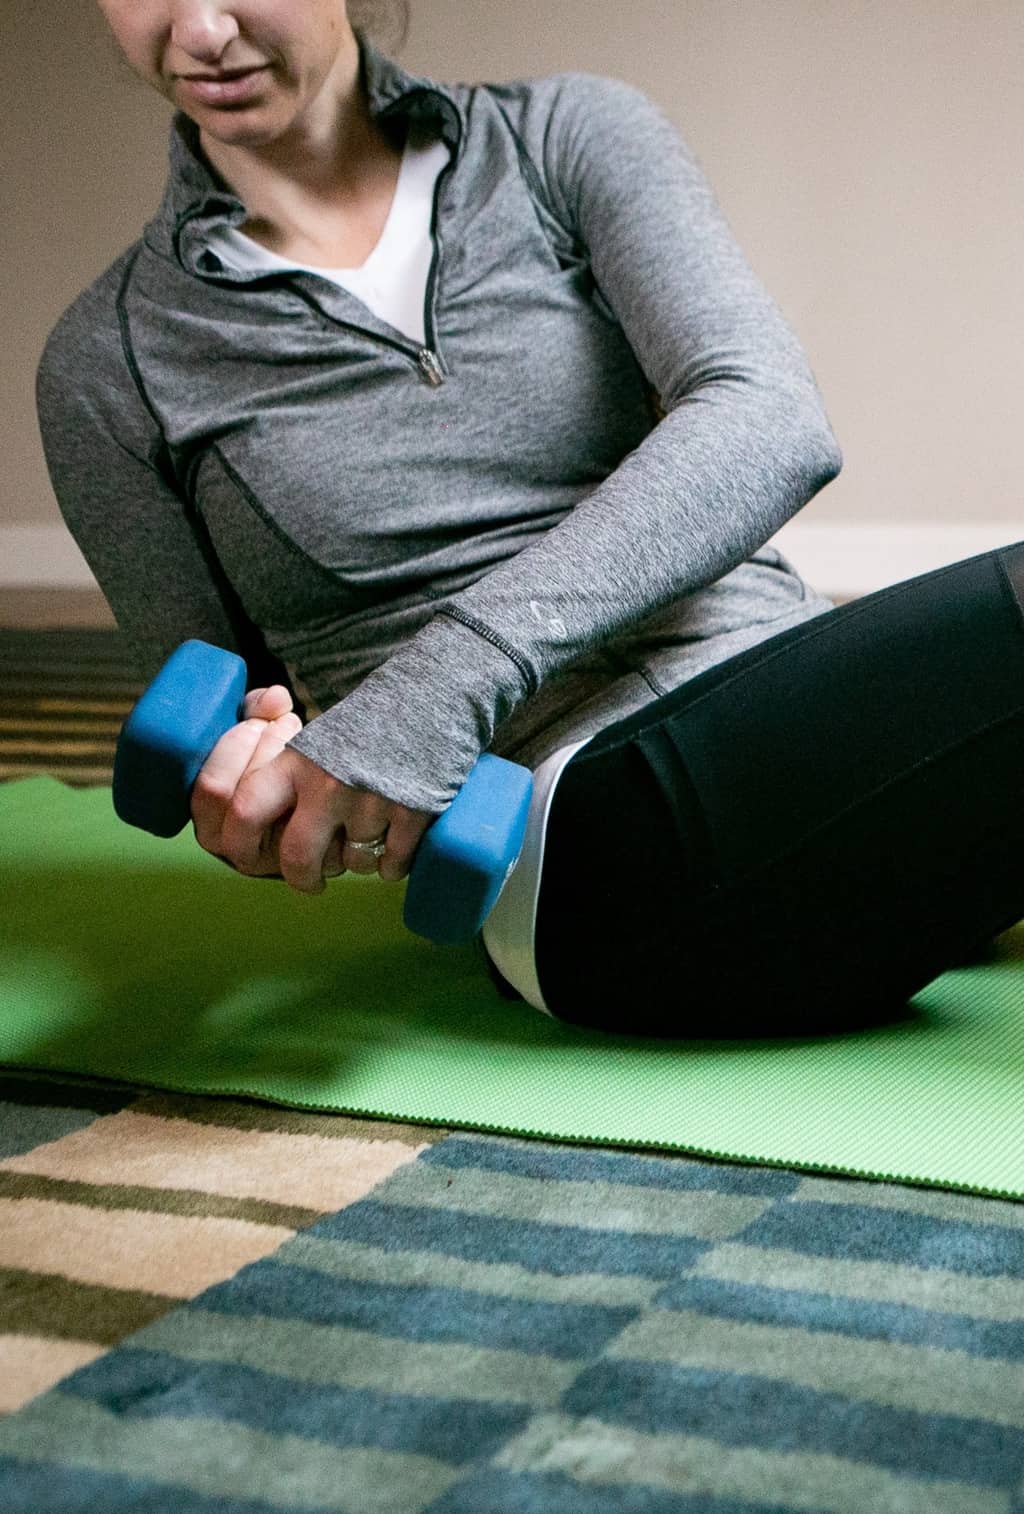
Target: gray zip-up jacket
(528,528)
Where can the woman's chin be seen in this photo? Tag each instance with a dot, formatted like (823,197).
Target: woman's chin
(249,129)
(255,120)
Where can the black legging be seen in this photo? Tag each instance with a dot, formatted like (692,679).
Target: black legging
(801,838)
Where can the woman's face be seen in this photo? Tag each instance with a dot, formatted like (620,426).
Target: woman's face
(290,45)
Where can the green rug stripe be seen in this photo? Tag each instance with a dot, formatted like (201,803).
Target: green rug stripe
(704,1214)
(42,1303)
(940,1206)
(226,1460)
(982,1298)
(185,1201)
(336,1355)
(892,1374)
(353,1261)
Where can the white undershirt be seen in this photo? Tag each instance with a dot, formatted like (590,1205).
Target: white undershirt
(393,280)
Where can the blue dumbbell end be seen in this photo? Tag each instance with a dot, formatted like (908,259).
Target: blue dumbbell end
(197,695)
(466,855)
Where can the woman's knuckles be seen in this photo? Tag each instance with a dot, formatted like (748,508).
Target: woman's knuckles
(213,784)
(244,813)
(294,856)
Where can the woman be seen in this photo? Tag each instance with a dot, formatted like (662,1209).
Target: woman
(459,406)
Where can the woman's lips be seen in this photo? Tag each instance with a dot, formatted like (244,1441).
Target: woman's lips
(225,91)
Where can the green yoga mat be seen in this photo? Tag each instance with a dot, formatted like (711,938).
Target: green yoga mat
(128,957)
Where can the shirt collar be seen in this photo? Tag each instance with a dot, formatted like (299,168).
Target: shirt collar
(195,191)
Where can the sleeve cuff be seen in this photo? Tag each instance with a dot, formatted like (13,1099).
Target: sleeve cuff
(414,727)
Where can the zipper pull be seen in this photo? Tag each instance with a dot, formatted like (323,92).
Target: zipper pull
(430,366)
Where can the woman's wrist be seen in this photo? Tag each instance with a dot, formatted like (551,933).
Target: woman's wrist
(415,726)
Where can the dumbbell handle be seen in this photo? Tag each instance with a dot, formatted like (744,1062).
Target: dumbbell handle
(461,862)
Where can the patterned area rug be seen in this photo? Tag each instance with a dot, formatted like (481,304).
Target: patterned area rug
(210,1306)
(250,1310)
(64,696)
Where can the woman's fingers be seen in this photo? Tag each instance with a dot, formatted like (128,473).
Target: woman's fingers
(311,848)
(267,810)
(333,865)
(405,833)
(218,778)
(253,823)
(245,748)
(268,704)
(367,822)
(316,846)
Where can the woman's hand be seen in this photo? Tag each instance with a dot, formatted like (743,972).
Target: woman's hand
(271,812)
(267,723)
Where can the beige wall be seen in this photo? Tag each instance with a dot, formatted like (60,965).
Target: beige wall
(867,154)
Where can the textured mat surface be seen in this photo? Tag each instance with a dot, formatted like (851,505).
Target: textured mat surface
(215,1307)
(128,957)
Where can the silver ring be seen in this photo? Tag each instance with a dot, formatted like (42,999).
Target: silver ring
(375,848)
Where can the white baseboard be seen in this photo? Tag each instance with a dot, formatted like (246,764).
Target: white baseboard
(842,561)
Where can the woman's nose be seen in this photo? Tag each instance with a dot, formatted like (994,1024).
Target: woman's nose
(203,28)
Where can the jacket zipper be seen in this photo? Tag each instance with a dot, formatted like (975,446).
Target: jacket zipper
(431,367)
(428,358)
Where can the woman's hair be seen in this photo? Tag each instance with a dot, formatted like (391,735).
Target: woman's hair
(385,22)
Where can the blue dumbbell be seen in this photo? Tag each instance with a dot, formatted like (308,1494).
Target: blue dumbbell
(460,864)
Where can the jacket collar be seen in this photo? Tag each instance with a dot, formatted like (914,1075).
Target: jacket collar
(196,195)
